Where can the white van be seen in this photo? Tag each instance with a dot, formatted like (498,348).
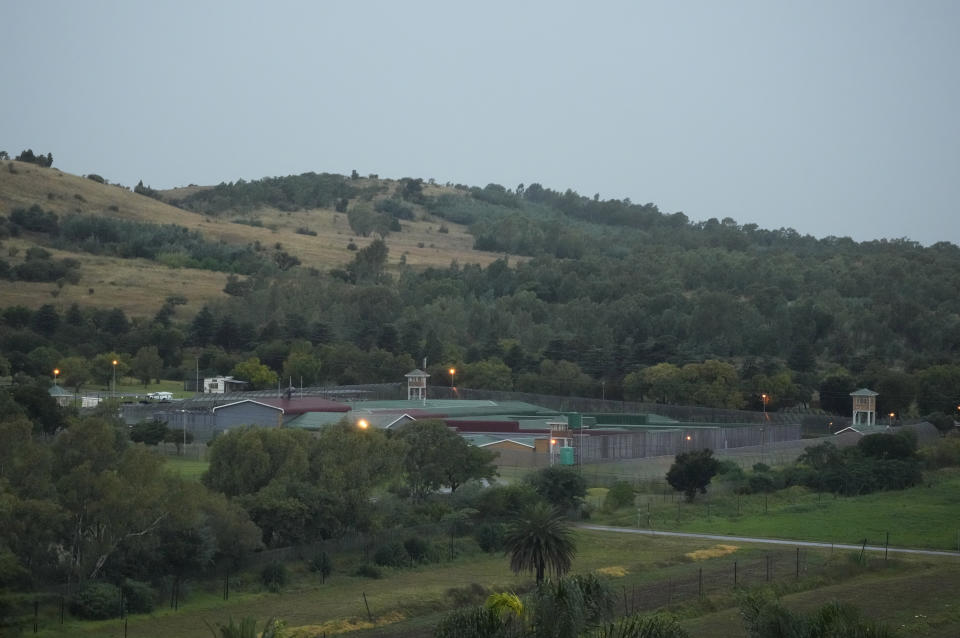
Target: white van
(160,396)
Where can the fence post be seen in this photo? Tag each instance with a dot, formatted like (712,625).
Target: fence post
(798,562)
(700,584)
(734,574)
(367,605)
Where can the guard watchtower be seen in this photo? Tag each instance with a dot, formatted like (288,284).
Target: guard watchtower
(417,385)
(864,407)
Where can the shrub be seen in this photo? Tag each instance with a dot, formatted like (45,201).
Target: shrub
(303,230)
(391,555)
(945,454)
(96,600)
(416,548)
(368,571)
(274,576)
(322,564)
(489,537)
(96,178)
(619,495)
(139,596)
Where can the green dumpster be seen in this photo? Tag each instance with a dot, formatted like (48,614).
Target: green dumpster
(566,456)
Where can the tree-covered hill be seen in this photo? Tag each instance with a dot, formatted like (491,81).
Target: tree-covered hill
(592,296)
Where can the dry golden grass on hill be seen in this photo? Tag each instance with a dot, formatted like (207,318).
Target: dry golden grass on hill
(139,286)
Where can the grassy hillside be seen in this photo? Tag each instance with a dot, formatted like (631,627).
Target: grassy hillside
(140,286)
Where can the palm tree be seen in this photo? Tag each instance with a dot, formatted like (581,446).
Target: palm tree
(539,541)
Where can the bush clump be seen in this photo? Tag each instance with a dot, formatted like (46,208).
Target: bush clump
(619,495)
(322,564)
(139,597)
(417,549)
(391,555)
(274,576)
(96,600)
(368,571)
(490,537)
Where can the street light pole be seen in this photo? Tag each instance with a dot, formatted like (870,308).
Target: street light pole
(452,372)
(56,373)
(114,378)
(763,398)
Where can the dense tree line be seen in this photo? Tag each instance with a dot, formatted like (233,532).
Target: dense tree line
(168,244)
(35,158)
(294,192)
(82,504)
(652,308)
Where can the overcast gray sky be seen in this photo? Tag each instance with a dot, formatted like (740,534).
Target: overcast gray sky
(835,117)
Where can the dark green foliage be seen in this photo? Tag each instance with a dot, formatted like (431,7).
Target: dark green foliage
(303,230)
(39,267)
(539,541)
(394,208)
(168,243)
(138,597)
(619,495)
(417,549)
(148,432)
(438,457)
(491,536)
(96,178)
(643,626)
(96,600)
(499,501)
(692,472)
(35,219)
(323,565)
(476,622)
(944,423)
(40,160)
(146,190)
(393,554)
(886,446)
(295,192)
(562,487)
(274,576)
(368,264)
(246,628)
(764,616)
(368,571)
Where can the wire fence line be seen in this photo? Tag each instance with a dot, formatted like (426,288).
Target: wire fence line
(686,584)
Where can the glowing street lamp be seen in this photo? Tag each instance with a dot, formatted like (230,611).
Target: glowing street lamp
(362,424)
(452,372)
(892,414)
(115,378)
(56,373)
(764,398)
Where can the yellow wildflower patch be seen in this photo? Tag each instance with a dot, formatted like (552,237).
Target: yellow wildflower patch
(711,552)
(616,571)
(342,626)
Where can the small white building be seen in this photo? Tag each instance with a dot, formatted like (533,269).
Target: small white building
(222,385)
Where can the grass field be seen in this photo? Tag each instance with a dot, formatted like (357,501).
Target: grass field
(411,601)
(188,469)
(926,516)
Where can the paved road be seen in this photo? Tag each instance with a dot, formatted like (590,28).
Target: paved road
(769,541)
